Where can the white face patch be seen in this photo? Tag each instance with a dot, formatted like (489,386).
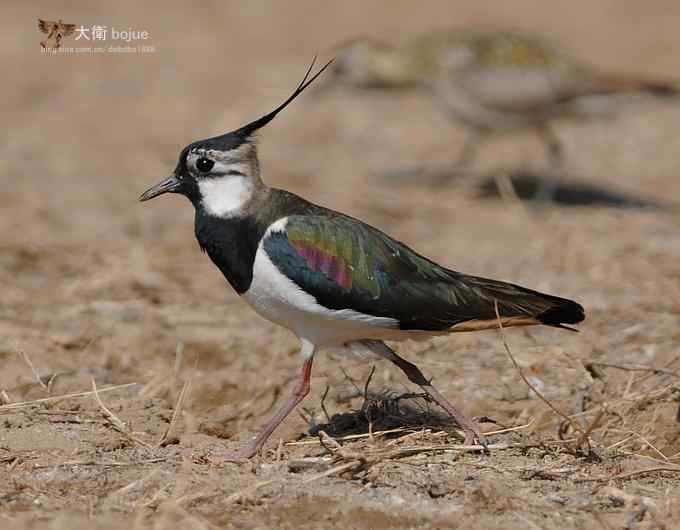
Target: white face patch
(228,184)
(225,196)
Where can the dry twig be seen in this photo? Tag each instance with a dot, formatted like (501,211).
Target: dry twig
(23,404)
(630,474)
(115,421)
(24,357)
(538,393)
(236,497)
(101,463)
(166,438)
(635,368)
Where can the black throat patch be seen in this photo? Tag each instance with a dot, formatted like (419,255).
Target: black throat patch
(231,244)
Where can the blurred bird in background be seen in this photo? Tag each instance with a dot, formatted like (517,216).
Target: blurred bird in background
(494,82)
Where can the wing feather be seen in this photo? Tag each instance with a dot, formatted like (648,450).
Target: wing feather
(346,264)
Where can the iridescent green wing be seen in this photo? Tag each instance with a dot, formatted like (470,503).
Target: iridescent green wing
(346,264)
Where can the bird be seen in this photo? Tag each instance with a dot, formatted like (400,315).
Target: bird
(55,32)
(493,82)
(333,280)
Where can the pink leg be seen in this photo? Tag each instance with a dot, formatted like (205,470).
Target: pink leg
(301,390)
(472,434)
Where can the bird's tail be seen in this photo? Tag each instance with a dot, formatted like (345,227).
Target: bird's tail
(517,306)
(621,84)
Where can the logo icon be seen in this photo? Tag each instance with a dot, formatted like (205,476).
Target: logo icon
(55,32)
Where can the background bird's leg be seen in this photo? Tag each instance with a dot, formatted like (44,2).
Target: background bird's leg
(414,375)
(462,168)
(555,154)
(553,146)
(299,393)
(468,152)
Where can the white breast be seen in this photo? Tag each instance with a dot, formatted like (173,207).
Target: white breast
(277,298)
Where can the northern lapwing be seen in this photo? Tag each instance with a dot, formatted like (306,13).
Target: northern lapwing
(331,279)
(493,82)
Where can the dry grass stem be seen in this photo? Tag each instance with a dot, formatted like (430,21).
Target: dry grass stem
(510,429)
(236,497)
(635,368)
(133,485)
(594,424)
(179,357)
(168,435)
(365,409)
(23,404)
(332,471)
(24,357)
(411,432)
(538,393)
(631,474)
(349,437)
(115,421)
(102,463)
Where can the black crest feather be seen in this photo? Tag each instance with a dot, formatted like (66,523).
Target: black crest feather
(248,130)
(234,139)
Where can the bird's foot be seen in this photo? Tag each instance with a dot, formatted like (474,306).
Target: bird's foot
(469,427)
(474,437)
(242,455)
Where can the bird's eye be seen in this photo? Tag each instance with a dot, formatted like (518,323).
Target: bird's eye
(204,164)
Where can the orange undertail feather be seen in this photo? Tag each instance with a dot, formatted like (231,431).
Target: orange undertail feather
(507,322)
(517,306)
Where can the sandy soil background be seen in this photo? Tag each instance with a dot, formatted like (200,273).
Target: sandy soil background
(96,285)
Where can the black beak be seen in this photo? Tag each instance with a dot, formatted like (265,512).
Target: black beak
(168,185)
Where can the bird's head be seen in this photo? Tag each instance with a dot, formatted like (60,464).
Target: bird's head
(220,175)
(364,63)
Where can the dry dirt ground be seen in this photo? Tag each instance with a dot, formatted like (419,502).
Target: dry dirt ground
(96,286)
